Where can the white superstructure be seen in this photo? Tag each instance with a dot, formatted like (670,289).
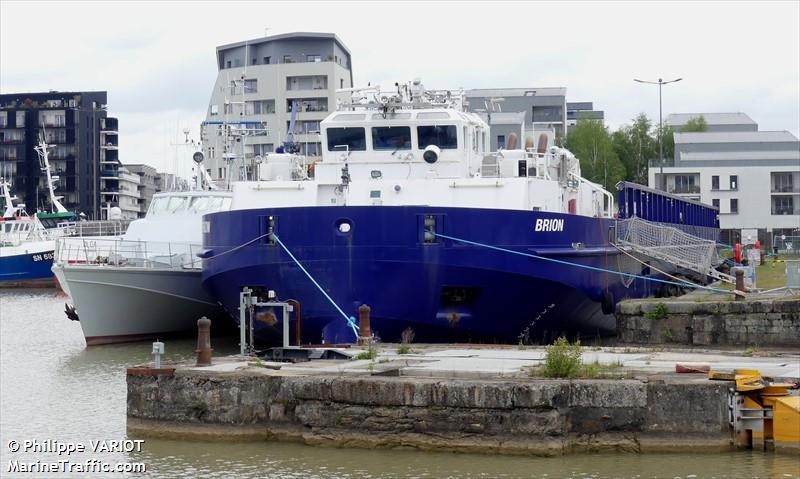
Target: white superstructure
(416,146)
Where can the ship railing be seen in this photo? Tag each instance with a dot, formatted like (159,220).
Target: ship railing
(94,228)
(537,164)
(127,253)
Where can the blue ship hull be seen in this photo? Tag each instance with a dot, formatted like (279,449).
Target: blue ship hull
(445,291)
(26,269)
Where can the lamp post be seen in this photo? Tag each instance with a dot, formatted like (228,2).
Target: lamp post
(660,83)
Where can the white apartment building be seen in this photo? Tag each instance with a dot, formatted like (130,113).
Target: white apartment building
(257,83)
(752,176)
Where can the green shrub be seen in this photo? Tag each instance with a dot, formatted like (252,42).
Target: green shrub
(368,354)
(562,359)
(404,349)
(659,312)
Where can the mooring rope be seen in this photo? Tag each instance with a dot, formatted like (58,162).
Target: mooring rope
(578,265)
(350,320)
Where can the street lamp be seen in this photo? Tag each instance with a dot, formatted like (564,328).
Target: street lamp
(660,82)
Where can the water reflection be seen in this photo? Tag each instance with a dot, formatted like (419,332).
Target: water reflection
(52,387)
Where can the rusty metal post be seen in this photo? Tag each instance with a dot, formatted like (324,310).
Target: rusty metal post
(203,342)
(298,325)
(739,283)
(364,332)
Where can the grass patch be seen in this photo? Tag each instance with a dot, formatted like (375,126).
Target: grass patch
(596,370)
(658,313)
(769,275)
(562,359)
(404,349)
(369,354)
(749,351)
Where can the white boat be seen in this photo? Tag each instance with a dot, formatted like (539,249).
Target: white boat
(145,284)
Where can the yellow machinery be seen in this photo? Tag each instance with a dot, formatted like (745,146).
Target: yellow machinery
(762,414)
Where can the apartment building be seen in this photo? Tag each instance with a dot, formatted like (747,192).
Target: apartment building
(147,185)
(752,176)
(258,83)
(85,144)
(544,110)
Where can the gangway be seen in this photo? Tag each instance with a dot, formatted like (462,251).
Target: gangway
(670,245)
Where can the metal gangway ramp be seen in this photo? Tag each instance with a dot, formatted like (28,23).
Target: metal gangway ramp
(671,245)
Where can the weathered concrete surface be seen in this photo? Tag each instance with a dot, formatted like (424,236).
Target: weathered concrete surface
(774,322)
(522,416)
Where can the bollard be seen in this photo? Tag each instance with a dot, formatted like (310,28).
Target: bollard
(203,342)
(740,282)
(364,333)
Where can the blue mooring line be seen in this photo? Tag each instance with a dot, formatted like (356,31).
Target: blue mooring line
(593,268)
(350,320)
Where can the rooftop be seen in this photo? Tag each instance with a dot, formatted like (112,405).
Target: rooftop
(286,36)
(735,137)
(753,156)
(500,92)
(504,118)
(737,118)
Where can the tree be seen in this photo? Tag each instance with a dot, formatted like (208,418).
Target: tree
(697,123)
(590,142)
(636,148)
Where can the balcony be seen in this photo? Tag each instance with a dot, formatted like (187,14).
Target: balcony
(785,211)
(685,190)
(785,189)
(109,173)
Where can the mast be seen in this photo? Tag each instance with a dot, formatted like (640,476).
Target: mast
(43,150)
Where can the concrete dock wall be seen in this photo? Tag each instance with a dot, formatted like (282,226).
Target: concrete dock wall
(727,323)
(515,416)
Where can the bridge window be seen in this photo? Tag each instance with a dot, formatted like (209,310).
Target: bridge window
(391,138)
(350,139)
(445,137)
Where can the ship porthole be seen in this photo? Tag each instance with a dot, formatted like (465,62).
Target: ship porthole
(344,226)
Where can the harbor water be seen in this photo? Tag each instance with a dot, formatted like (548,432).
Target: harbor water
(55,391)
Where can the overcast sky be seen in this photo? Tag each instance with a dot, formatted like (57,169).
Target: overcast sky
(157,60)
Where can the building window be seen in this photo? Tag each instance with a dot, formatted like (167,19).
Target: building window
(267,60)
(308,105)
(251,86)
(228,108)
(221,173)
(715,182)
(685,184)
(228,64)
(317,82)
(782,205)
(287,59)
(734,182)
(548,114)
(734,205)
(341,82)
(782,183)
(715,203)
(263,149)
(259,107)
(20,119)
(312,149)
(501,141)
(214,110)
(3,119)
(255,61)
(313,58)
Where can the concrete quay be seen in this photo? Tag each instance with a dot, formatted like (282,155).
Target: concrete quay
(711,321)
(469,399)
